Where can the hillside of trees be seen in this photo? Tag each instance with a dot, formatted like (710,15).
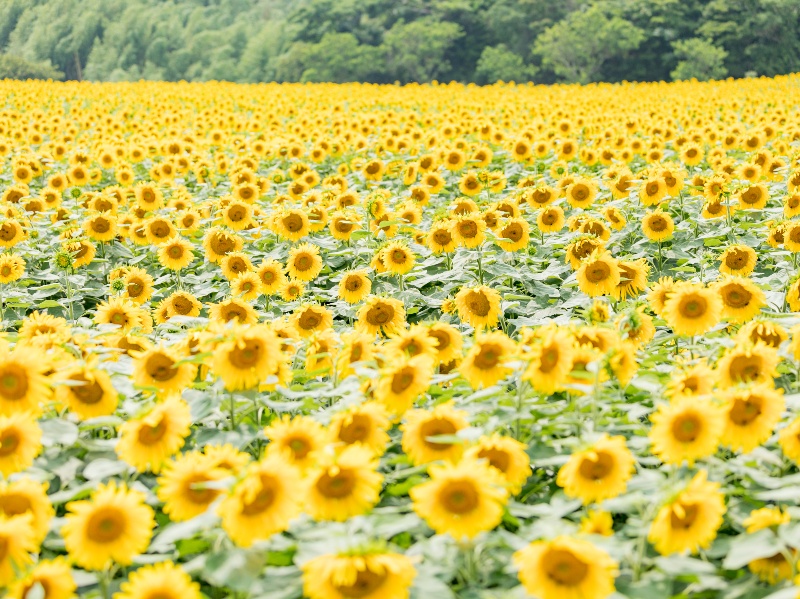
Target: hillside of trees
(399,40)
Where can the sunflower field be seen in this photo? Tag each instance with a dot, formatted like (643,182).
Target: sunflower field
(381,342)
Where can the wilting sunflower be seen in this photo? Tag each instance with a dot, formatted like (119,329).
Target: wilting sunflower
(365,425)
(421,425)
(565,568)
(774,568)
(402,380)
(12,267)
(599,274)
(358,574)
(20,442)
(54,577)
(272,276)
(657,225)
(17,538)
(752,413)
(247,357)
(378,314)
(113,526)
(304,262)
(688,428)
(87,392)
(295,439)
(462,499)
(550,360)
(633,279)
(506,455)
(738,260)
(175,253)
(486,362)
(23,385)
(264,502)
(742,300)
(25,496)
(692,309)
(748,363)
(121,312)
(598,472)
(183,485)
(354,286)
(149,440)
(162,369)
(689,521)
(164,580)
(343,485)
(478,306)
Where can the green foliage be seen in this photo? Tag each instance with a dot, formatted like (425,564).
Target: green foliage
(699,59)
(14,67)
(577,47)
(498,63)
(410,40)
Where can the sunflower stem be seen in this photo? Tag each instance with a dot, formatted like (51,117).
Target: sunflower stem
(480,266)
(2,308)
(68,287)
(178,280)
(103,578)
(232,408)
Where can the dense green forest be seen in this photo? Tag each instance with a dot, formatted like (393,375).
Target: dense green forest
(399,40)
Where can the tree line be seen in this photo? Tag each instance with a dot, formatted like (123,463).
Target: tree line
(384,41)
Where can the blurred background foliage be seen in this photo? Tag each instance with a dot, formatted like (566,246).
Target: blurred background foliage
(384,41)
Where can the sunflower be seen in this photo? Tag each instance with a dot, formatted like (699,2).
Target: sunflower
(412,341)
(659,293)
(54,577)
(11,233)
(633,279)
(738,260)
(599,472)
(696,380)
(149,197)
(235,263)
(550,360)
(237,215)
(363,575)
(486,362)
(17,538)
(149,440)
(690,520)
(297,440)
(752,413)
(365,425)
(397,258)
(657,225)
(23,385)
(247,357)
(138,285)
(440,238)
(652,191)
(447,341)
(183,485)
(742,300)
(182,303)
(462,499)
(356,347)
(378,314)
(162,369)
(304,262)
(505,455)
(469,230)
(164,580)
(765,331)
(599,274)
(581,193)
(402,380)
(12,267)
(83,252)
(354,286)
(750,363)
(175,253)
(421,425)
(87,392)
(692,309)
(121,312)
(754,197)
(688,428)
(343,486)
(233,310)
(566,568)
(311,318)
(478,306)
(25,496)
(246,286)
(514,234)
(272,277)
(550,219)
(292,290)
(774,568)
(218,243)
(113,525)
(20,442)
(597,522)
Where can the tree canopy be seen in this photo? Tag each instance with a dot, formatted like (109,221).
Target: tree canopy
(401,40)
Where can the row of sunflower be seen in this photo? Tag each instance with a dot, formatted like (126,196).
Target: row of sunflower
(385,342)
